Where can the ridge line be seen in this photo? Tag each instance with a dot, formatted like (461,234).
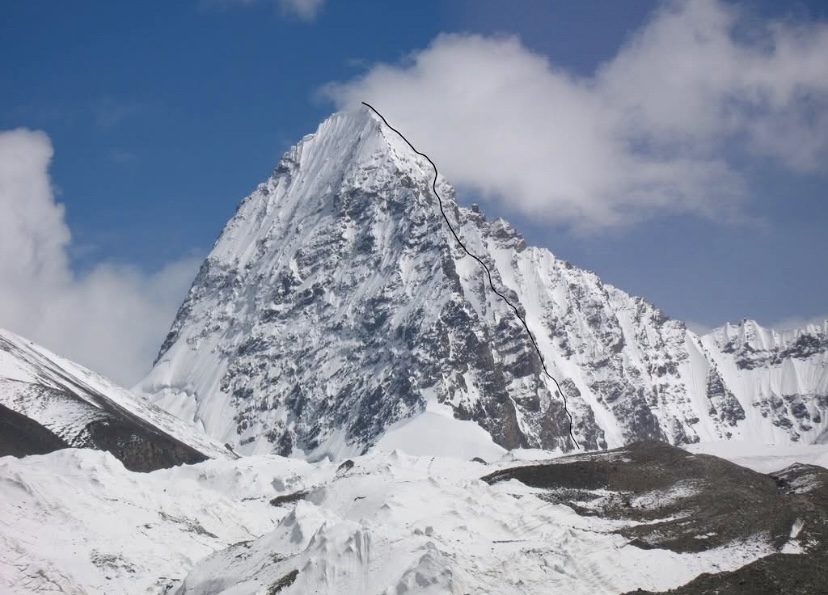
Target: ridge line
(483,264)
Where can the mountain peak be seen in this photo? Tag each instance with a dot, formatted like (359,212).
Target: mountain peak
(351,139)
(351,156)
(337,305)
(346,226)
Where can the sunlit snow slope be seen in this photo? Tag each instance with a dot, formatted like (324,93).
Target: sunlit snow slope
(336,304)
(77,521)
(82,409)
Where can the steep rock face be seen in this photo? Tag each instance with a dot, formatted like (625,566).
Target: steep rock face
(332,306)
(336,302)
(781,377)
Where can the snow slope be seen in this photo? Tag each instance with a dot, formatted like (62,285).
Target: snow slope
(781,377)
(436,433)
(73,402)
(76,521)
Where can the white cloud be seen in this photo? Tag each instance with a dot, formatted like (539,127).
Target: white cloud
(306,10)
(657,129)
(113,318)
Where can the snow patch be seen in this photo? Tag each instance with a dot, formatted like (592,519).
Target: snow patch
(436,433)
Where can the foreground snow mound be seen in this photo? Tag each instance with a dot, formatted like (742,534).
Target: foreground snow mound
(76,521)
(435,432)
(48,402)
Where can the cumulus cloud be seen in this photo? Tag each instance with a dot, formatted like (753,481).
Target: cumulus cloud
(657,129)
(112,318)
(306,10)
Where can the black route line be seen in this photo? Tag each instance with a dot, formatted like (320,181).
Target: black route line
(483,264)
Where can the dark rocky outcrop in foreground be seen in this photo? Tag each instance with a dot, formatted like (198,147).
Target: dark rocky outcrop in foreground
(21,436)
(48,403)
(776,574)
(138,448)
(138,444)
(691,502)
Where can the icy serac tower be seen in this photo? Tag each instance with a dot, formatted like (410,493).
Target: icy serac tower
(336,302)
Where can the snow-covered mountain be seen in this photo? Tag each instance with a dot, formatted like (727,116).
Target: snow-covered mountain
(48,403)
(336,304)
(337,315)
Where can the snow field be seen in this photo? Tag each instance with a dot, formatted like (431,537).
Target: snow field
(77,521)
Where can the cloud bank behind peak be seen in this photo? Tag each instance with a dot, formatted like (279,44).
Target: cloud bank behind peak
(660,128)
(113,317)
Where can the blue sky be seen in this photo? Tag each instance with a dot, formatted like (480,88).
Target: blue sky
(162,115)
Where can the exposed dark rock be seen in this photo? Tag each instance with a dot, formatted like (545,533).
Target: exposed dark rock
(345,466)
(688,503)
(135,442)
(21,436)
(724,405)
(189,524)
(805,346)
(283,583)
(289,498)
(138,448)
